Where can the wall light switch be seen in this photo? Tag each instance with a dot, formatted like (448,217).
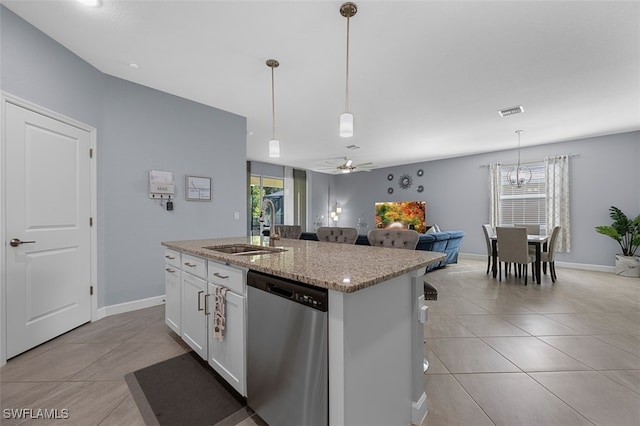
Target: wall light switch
(236,215)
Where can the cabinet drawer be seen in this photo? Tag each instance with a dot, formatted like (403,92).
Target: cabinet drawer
(227,276)
(172,257)
(194,265)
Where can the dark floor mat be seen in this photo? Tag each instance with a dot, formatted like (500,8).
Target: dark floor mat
(183,391)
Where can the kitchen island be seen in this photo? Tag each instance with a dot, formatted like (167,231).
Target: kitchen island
(375,319)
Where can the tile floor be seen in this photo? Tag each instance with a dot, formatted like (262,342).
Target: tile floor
(553,354)
(500,353)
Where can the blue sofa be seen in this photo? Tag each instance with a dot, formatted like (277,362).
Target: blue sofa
(447,242)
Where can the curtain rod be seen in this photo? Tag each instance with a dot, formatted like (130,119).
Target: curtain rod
(532,162)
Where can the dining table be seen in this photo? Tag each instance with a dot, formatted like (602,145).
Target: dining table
(538,241)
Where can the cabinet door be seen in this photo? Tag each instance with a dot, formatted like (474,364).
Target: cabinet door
(194,320)
(228,356)
(173,298)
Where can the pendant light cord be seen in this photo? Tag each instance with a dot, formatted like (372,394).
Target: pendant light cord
(346,95)
(518,132)
(273,106)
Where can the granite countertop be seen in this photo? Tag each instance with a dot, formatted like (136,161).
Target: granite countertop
(341,267)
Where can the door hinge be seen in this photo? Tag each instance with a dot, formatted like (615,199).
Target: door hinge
(91,290)
(90,152)
(90,221)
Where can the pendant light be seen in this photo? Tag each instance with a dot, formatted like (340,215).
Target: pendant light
(347,10)
(520,175)
(274,144)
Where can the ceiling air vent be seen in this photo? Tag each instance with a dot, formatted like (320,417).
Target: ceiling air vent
(510,111)
(352,147)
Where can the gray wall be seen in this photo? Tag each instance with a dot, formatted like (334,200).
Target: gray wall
(318,186)
(145,129)
(456,191)
(267,169)
(139,129)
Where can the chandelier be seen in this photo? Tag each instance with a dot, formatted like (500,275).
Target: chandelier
(520,175)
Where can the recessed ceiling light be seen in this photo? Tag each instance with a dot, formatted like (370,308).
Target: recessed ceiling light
(510,111)
(133,65)
(91,3)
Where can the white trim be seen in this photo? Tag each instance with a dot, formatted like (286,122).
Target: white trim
(3,274)
(336,358)
(568,265)
(134,305)
(8,98)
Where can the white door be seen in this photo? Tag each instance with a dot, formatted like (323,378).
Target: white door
(47,240)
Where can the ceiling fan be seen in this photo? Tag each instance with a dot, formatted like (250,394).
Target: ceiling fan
(348,166)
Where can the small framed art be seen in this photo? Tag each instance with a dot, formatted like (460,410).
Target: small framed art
(197,188)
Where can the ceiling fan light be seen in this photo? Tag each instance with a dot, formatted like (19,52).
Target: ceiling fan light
(274,148)
(346,125)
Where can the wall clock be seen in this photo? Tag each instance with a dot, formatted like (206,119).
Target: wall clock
(390,176)
(420,172)
(390,190)
(420,188)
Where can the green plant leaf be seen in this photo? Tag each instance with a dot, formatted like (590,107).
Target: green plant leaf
(624,230)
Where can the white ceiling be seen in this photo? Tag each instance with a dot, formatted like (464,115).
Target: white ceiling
(426,77)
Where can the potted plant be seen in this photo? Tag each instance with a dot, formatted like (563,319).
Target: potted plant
(627,233)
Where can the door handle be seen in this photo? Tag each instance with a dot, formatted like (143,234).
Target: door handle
(16,242)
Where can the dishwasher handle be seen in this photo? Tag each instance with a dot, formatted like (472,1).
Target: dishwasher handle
(283,292)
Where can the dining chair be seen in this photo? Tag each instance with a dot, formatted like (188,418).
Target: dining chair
(513,248)
(289,231)
(488,233)
(548,256)
(532,228)
(393,238)
(337,234)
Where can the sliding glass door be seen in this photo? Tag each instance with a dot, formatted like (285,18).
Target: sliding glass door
(262,188)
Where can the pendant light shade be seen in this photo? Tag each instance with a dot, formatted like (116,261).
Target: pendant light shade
(520,175)
(346,125)
(274,144)
(347,10)
(274,148)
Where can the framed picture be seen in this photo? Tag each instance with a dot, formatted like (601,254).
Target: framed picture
(197,188)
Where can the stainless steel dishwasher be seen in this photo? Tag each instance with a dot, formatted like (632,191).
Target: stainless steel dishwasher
(287,355)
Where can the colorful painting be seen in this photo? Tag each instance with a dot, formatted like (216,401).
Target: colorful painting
(406,214)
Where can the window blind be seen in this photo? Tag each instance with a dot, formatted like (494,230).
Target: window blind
(526,204)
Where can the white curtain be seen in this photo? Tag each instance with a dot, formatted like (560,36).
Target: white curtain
(494,185)
(557,172)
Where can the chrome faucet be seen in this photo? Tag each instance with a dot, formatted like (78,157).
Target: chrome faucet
(273,236)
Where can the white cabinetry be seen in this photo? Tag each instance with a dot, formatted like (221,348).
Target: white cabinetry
(190,288)
(228,356)
(194,303)
(173,292)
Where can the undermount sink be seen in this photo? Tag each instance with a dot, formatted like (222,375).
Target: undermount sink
(244,249)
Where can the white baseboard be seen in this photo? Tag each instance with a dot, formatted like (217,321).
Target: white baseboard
(419,410)
(472,256)
(569,265)
(134,305)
